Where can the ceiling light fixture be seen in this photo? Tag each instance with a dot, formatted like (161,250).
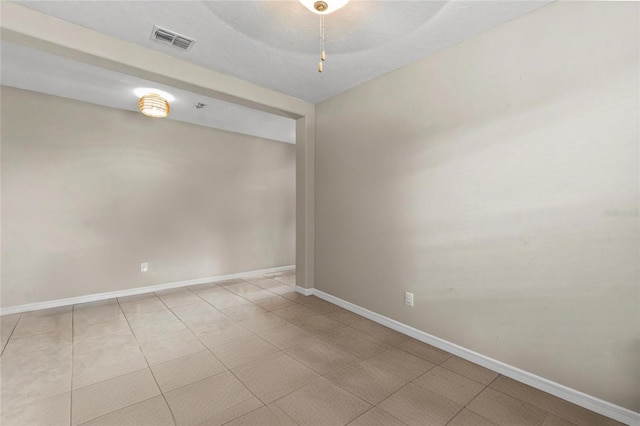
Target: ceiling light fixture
(154,105)
(154,102)
(323,7)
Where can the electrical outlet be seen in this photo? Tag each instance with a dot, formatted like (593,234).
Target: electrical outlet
(408,299)
(144,267)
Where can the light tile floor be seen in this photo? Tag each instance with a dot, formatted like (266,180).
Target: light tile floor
(246,352)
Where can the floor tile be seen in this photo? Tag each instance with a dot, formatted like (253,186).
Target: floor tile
(188,369)
(380,332)
(321,306)
(344,316)
(322,403)
(294,296)
(137,298)
(366,381)
(470,370)
(227,301)
(262,322)
(20,346)
(355,342)
(320,355)
(376,417)
(38,325)
(242,288)
(506,410)
(288,279)
(169,291)
(202,323)
(231,281)
(550,403)
(101,346)
(318,324)
(152,412)
(450,385)
(274,376)
(96,304)
(416,406)
(88,331)
(221,332)
(142,306)
(283,290)
(181,298)
(311,299)
(53,411)
(401,363)
(161,351)
(243,351)
(207,293)
(274,302)
(552,420)
(165,330)
(425,351)
(269,415)
(265,283)
(87,371)
(214,400)
(48,313)
(258,295)
(97,314)
(7,325)
(294,313)
(285,336)
(149,319)
(111,395)
(33,363)
(469,418)
(30,388)
(194,309)
(240,312)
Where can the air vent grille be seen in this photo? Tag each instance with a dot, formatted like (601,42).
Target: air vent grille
(174,39)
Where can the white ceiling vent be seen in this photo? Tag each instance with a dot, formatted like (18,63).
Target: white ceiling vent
(174,39)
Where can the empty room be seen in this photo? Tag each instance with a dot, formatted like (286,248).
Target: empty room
(320,212)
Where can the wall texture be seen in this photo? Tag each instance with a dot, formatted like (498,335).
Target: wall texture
(498,181)
(88,193)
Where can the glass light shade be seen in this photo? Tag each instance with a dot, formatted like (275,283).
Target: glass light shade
(331,5)
(154,105)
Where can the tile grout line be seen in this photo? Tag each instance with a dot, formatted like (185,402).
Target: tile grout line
(210,351)
(13,329)
(356,359)
(536,406)
(212,354)
(279,351)
(530,403)
(463,406)
(148,365)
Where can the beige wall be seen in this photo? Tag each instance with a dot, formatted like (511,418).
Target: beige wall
(88,193)
(479,178)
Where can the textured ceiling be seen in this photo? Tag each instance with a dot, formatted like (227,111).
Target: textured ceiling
(276,43)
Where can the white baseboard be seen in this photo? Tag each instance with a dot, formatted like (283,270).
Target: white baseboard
(589,402)
(134,291)
(304,291)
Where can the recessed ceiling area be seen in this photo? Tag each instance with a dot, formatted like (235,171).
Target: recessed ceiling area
(34,70)
(275,44)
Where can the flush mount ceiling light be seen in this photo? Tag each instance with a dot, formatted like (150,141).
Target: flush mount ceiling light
(153,105)
(323,7)
(154,102)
